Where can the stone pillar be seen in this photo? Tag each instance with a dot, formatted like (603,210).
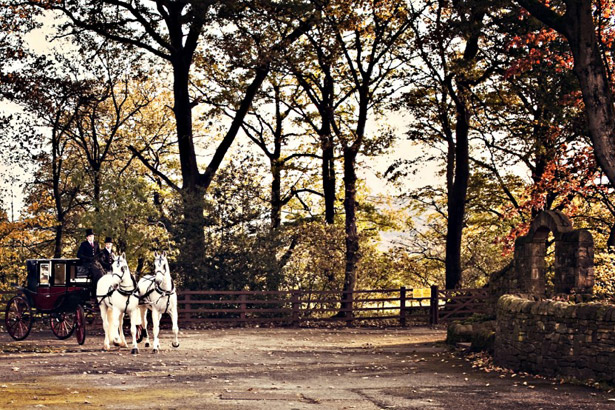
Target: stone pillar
(530,267)
(574,262)
(538,268)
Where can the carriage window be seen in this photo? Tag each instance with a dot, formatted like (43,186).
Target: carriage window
(72,269)
(59,274)
(45,273)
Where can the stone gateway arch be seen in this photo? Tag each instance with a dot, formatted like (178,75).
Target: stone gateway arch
(574,257)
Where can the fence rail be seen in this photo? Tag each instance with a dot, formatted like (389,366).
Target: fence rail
(299,307)
(401,306)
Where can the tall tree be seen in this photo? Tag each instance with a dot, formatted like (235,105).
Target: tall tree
(264,131)
(315,65)
(171,30)
(55,103)
(530,116)
(574,19)
(442,102)
(110,104)
(368,38)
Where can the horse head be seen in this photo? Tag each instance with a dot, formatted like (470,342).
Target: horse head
(121,272)
(161,267)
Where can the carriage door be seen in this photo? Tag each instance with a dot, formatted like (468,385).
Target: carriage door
(44,298)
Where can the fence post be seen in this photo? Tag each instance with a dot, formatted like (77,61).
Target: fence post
(295,308)
(402,306)
(242,308)
(433,306)
(187,307)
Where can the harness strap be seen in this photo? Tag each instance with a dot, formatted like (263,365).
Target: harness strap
(103,297)
(165,293)
(149,291)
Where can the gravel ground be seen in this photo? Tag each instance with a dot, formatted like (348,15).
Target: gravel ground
(272,368)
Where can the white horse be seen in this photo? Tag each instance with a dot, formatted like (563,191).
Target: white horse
(157,293)
(114,294)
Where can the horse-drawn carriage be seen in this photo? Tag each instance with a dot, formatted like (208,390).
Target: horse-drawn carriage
(56,290)
(59,290)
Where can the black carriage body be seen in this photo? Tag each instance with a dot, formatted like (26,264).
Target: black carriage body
(56,284)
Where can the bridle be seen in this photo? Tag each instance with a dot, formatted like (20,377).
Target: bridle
(124,269)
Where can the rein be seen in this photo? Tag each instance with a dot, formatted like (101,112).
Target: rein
(149,291)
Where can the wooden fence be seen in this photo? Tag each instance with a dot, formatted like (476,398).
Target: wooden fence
(400,306)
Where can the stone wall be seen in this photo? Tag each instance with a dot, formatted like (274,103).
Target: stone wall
(556,338)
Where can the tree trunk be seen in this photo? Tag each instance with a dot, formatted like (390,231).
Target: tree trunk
(56,166)
(457,193)
(276,200)
(192,235)
(276,164)
(350,202)
(183,121)
(57,247)
(328,151)
(328,177)
(97,183)
(457,200)
(352,235)
(589,69)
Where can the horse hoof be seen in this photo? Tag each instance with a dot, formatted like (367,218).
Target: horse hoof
(134,351)
(175,344)
(155,351)
(146,344)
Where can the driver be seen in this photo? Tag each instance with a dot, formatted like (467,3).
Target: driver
(106,255)
(89,253)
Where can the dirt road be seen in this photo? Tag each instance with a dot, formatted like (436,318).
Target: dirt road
(272,369)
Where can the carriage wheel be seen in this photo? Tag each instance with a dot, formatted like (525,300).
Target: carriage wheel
(80,324)
(18,318)
(63,324)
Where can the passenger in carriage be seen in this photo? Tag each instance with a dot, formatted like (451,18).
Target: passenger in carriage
(89,254)
(106,255)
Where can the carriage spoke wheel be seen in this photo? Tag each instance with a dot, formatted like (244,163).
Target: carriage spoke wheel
(80,324)
(63,324)
(18,318)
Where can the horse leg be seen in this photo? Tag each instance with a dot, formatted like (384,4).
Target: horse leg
(175,327)
(134,320)
(104,315)
(120,329)
(156,324)
(143,311)
(116,318)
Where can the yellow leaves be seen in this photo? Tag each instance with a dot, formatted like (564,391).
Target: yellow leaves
(604,271)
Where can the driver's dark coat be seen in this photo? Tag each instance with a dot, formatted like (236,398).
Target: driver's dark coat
(106,259)
(88,253)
